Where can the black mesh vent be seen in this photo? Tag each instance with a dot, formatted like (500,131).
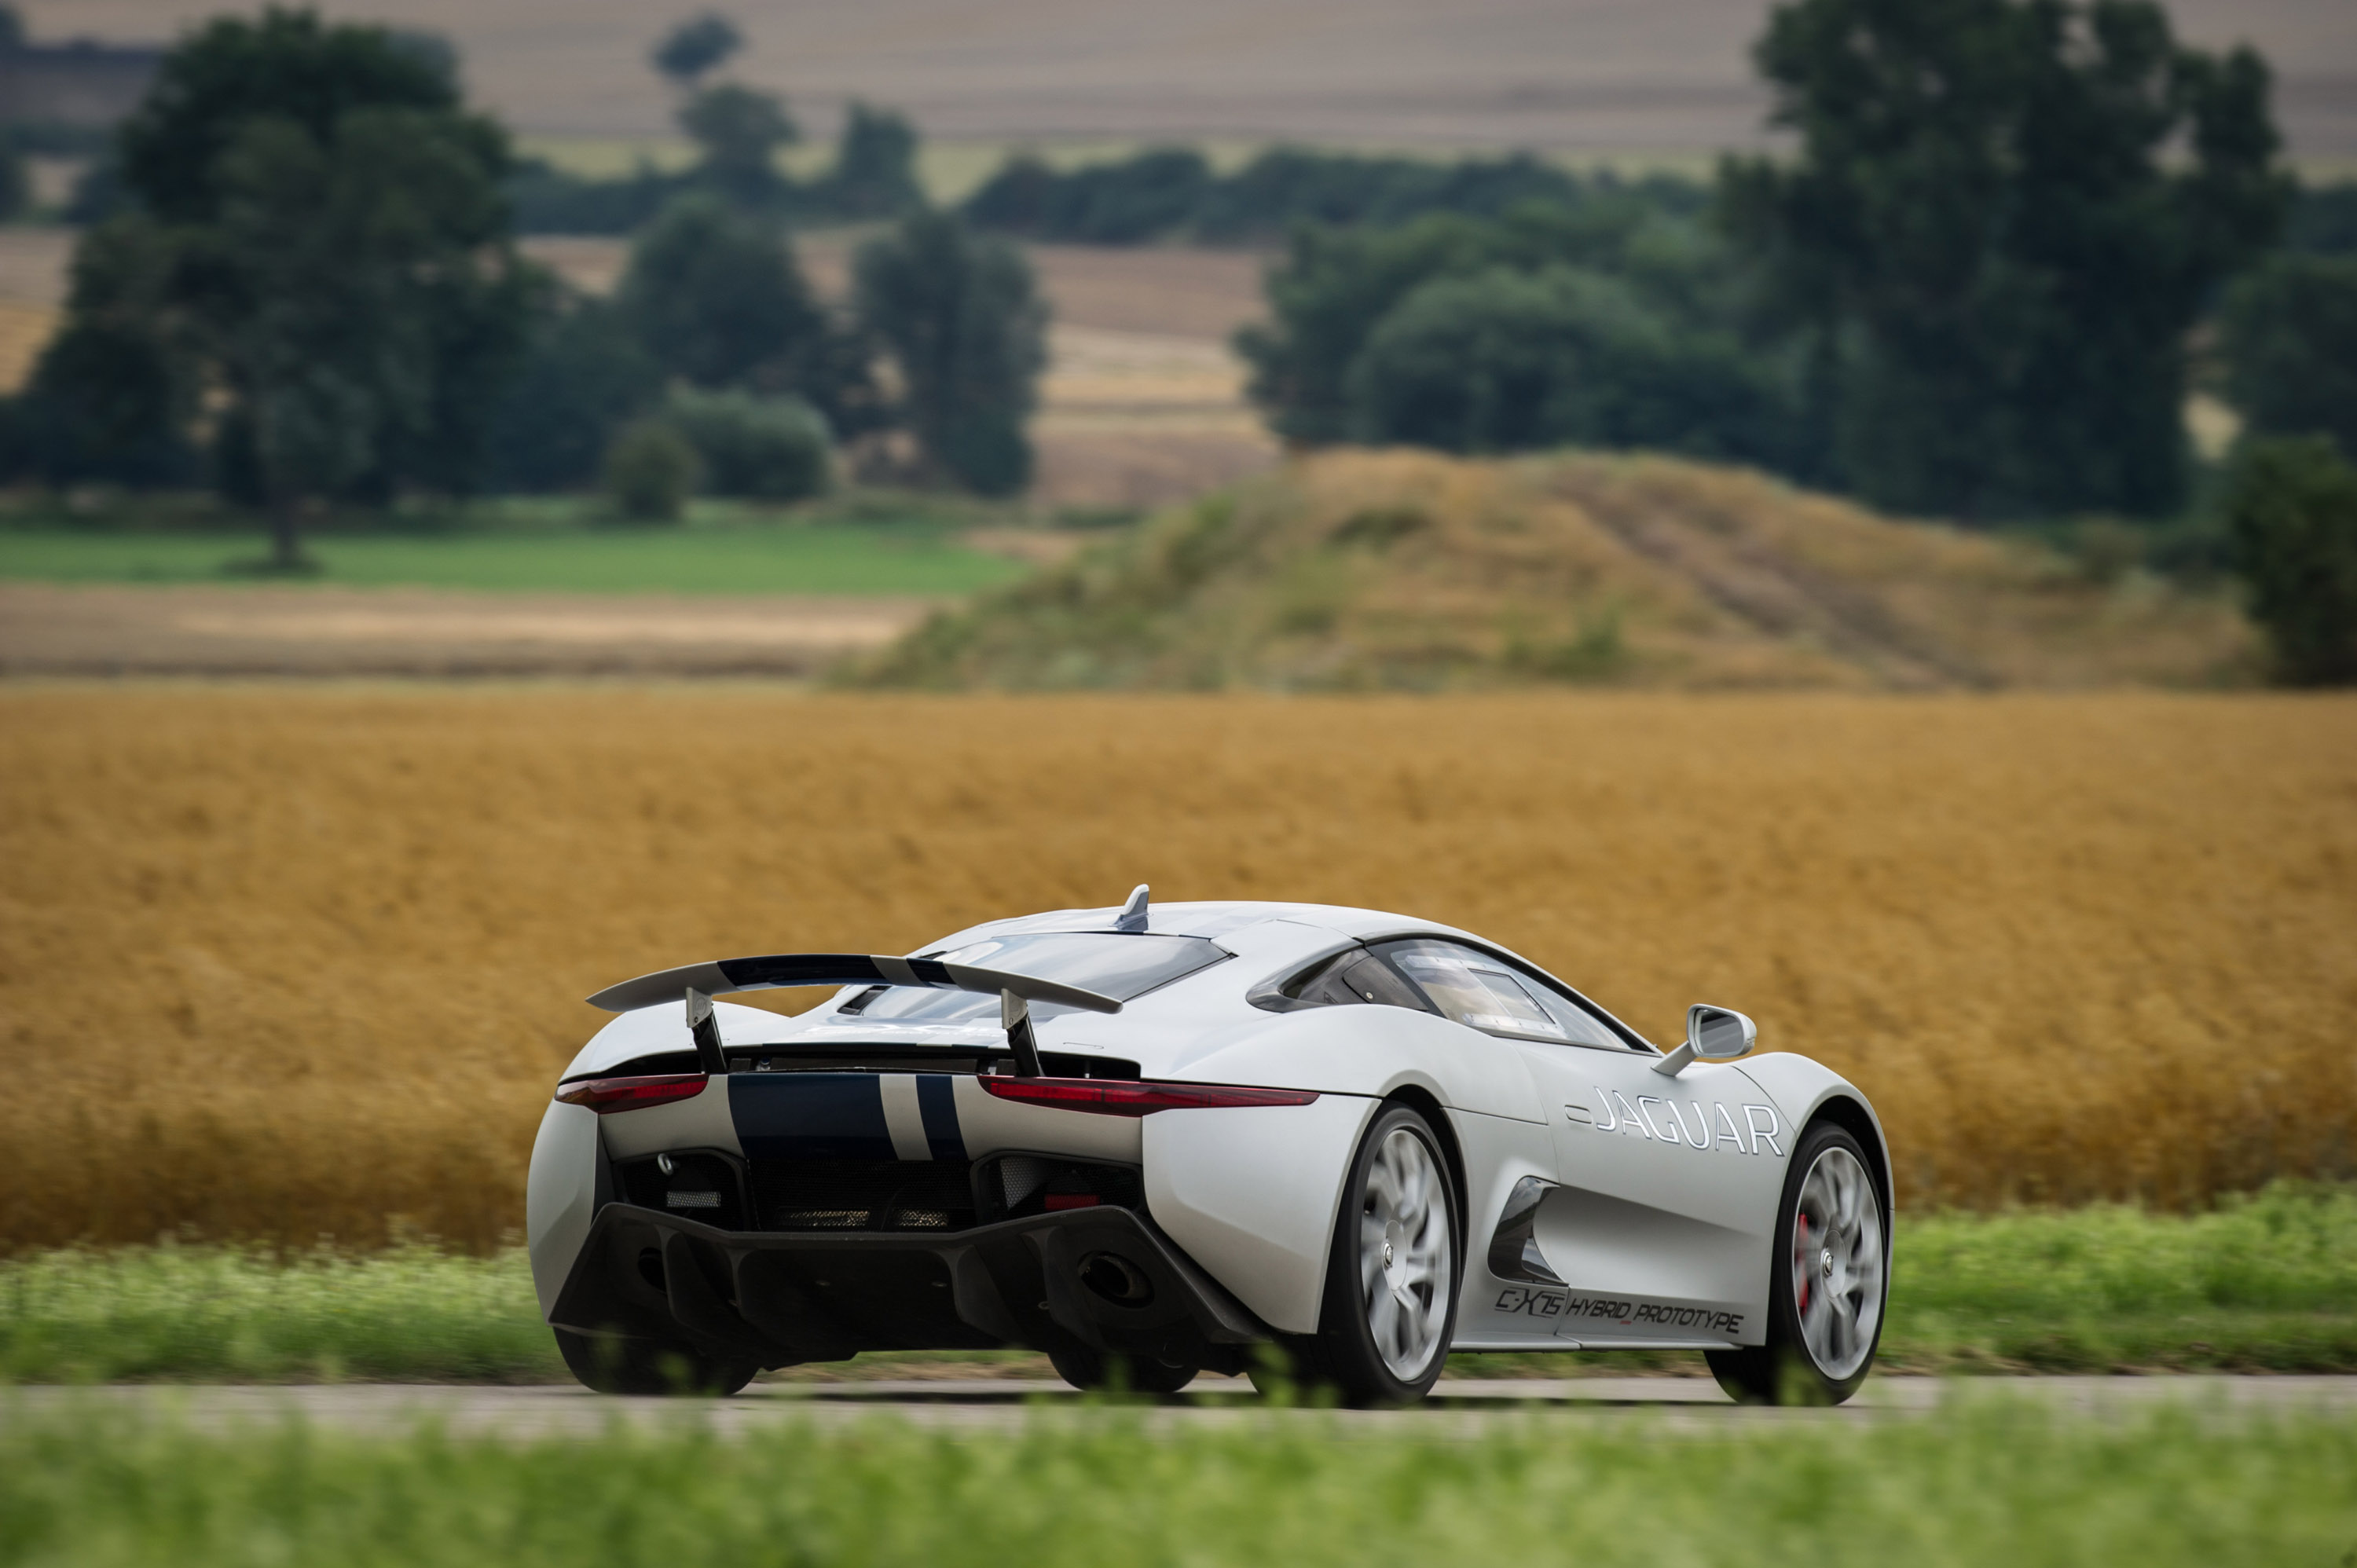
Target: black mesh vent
(863,1195)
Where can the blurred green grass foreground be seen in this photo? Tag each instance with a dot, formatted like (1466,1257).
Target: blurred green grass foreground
(2264,1283)
(1996,1480)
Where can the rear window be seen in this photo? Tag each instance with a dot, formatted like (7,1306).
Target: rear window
(1118,965)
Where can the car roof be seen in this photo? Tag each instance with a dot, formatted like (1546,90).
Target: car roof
(1210,918)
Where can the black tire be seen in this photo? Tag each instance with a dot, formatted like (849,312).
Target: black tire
(1786,1369)
(1092,1371)
(1343,1354)
(612,1364)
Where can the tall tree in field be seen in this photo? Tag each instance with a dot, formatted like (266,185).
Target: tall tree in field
(699,45)
(324,283)
(739,131)
(2001,263)
(967,331)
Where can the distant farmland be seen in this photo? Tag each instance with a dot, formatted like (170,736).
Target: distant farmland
(280,963)
(1595,75)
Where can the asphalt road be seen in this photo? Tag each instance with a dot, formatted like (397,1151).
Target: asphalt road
(1464,1408)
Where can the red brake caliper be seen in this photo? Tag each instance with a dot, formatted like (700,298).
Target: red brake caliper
(1800,1258)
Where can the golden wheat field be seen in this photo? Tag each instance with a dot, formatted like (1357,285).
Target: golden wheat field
(279,962)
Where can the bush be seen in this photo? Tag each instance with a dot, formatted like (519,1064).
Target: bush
(650,470)
(762,448)
(2291,505)
(2288,335)
(1502,361)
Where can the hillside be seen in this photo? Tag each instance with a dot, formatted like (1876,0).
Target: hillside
(1398,570)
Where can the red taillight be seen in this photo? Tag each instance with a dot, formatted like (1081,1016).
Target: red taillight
(607,1095)
(1120,1097)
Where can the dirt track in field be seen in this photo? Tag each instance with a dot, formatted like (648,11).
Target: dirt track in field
(46,629)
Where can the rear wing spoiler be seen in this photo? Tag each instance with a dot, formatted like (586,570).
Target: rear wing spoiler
(730,974)
(696,983)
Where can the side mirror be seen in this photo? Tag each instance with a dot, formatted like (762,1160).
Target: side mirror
(1713,1035)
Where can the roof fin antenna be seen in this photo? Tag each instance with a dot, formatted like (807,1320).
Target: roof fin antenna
(706,1030)
(1015,1016)
(1132,914)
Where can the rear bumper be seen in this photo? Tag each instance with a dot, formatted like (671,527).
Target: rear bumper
(776,1298)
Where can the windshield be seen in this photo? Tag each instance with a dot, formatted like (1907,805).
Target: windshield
(1110,964)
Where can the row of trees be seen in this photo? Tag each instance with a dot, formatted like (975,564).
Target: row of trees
(313,294)
(1970,295)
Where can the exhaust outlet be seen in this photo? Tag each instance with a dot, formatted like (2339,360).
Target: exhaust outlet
(1116,1279)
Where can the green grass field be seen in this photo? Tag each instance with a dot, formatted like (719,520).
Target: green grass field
(719,558)
(2264,1284)
(1989,1480)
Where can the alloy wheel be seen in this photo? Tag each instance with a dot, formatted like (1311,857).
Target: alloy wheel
(1406,1254)
(1838,1260)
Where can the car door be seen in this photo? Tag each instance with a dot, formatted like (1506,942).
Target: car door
(1658,1230)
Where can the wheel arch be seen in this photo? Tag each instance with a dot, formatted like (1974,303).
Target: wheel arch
(1851,1116)
(1425,1104)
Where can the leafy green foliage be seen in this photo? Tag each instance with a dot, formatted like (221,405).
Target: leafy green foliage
(965,327)
(285,65)
(713,297)
(2324,219)
(113,395)
(1145,197)
(584,375)
(2000,266)
(875,172)
(740,131)
(1172,193)
(1614,323)
(650,470)
(16,185)
(319,265)
(1502,361)
(758,449)
(700,44)
(2291,506)
(2289,340)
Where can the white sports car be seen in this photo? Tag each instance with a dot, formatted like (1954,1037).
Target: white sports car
(1147,1141)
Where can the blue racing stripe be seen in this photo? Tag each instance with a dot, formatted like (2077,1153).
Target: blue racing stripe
(938,1104)
(810,1116)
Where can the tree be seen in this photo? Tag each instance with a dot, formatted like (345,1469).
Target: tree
(694,47)
(874,173)
(2291,509)
(583,376)
(1982,234)
(327,293)
(2288,337)
(740,131)
(713,295)
(1621,269)
(1502,361)
(16,186)
(115,395)
(966,329)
